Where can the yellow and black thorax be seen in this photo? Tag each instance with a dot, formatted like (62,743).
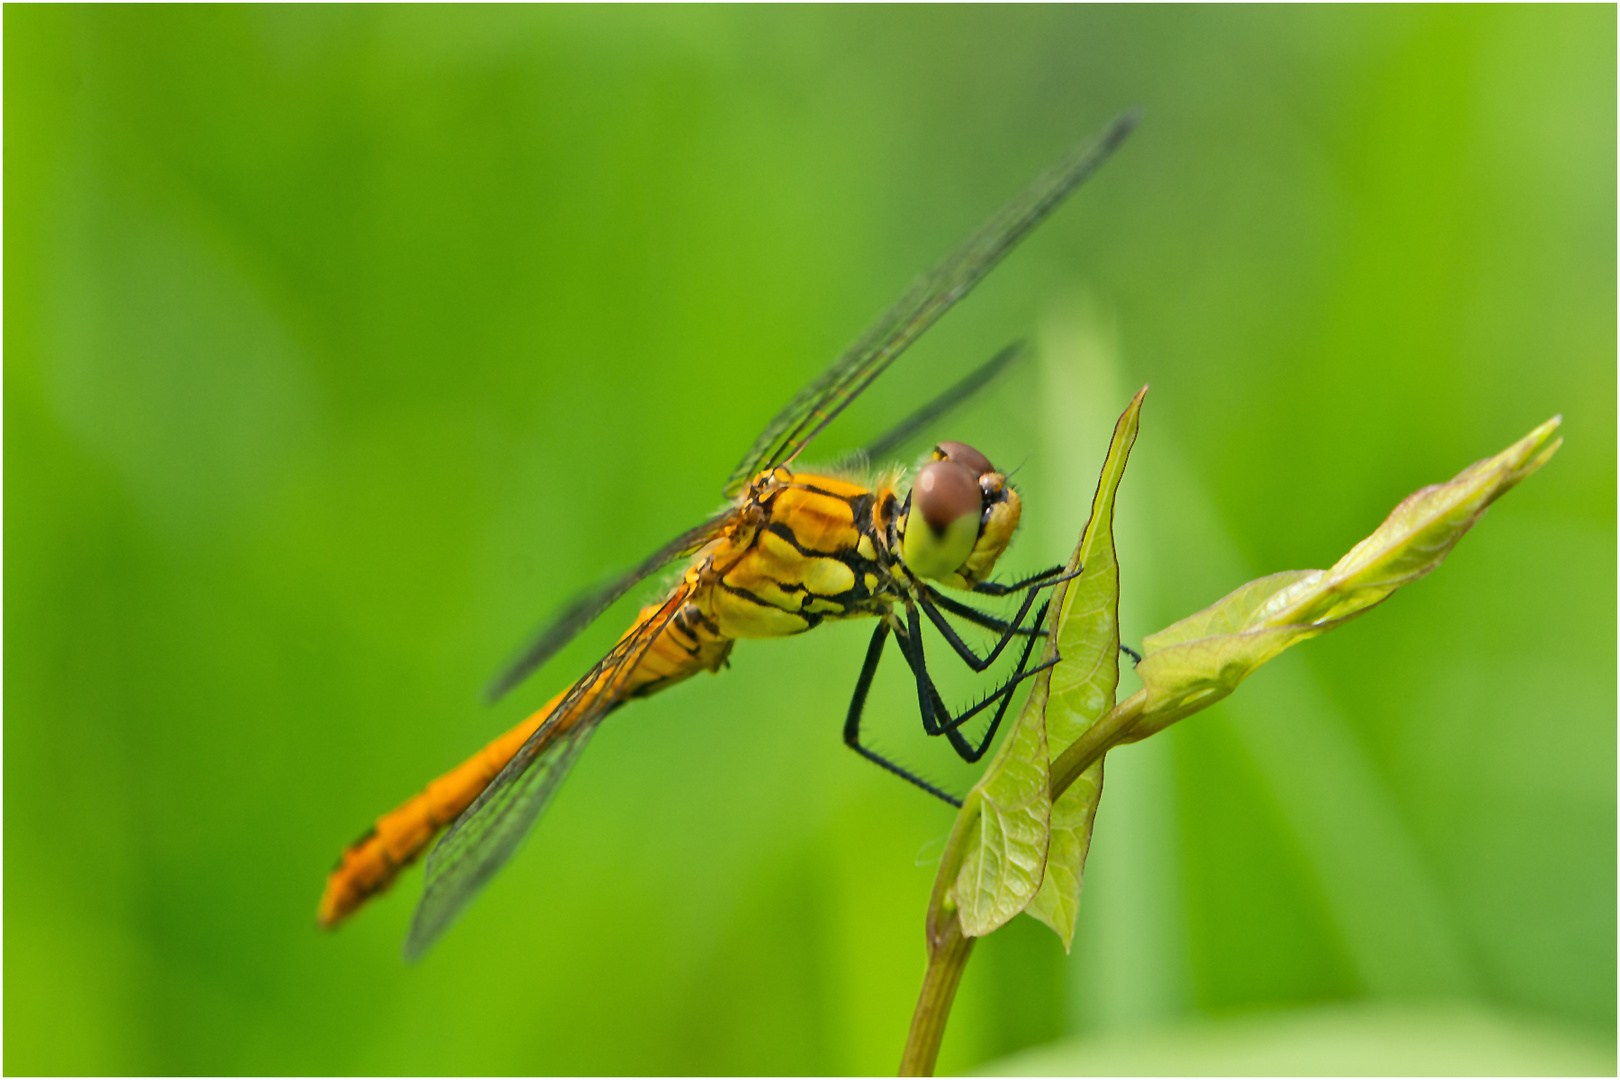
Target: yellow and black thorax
(805,548)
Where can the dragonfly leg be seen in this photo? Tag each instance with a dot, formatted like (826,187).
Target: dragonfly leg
(963,649)
(1136,657)
(927,598)
(857,705)
(936,717)
(977,617)
(1045,577)
(1006,695)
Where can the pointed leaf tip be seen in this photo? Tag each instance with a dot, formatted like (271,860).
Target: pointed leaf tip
(1011,849)
(1201,659)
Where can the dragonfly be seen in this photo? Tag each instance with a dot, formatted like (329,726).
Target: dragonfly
(790,549)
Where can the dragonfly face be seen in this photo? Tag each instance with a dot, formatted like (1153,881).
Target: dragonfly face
(789,551)
(959,518)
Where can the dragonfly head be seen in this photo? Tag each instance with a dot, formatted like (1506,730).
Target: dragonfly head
(959,518)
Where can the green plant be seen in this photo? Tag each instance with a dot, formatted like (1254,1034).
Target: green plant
(1019,843)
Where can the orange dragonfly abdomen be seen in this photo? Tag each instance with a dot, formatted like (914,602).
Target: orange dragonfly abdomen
(399,837)
(370,865)
(805,555)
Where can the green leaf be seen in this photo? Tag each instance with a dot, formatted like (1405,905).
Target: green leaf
(1082,684)
(1231,614)
(1001,832)
(997,855)
(1202,658)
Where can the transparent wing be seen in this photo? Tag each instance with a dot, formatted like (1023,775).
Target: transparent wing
(588,605)
(490,830)
(929,298)
(478,855)
(970,384)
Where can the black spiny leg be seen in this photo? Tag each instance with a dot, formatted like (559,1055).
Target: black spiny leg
(857,705)
(977,617)
(1136,657)
(936,717)
(990,588)
(927,598)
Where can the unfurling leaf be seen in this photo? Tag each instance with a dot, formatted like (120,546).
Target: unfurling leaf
(1201,659)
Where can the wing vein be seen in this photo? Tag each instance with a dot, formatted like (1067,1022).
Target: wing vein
(484,837)
(814,407)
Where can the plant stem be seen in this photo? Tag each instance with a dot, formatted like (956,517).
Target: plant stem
(948,948)
(1097,740)
(948,952)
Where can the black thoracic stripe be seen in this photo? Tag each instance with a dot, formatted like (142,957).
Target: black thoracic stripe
(746,595)
(857,563)
(785,532)
(862,567)
(855,600)
(861,507)
(781,528)
(843,607)
(812,619)
(823,491)
(695,614)
(892,510)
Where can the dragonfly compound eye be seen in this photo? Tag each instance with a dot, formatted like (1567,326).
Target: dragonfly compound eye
(943,524)
(967,455)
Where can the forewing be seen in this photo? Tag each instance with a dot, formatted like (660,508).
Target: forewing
(929,298)
(490,830)
(588,605)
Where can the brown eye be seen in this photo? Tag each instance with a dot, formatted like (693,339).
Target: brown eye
(967,455)
(946,491)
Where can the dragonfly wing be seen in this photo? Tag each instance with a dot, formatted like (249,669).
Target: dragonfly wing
(484,837)
(461,864)
(969,385)
(588,605)
(929,298)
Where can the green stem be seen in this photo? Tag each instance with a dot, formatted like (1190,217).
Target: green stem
(948,947)
(948,951)
(1101,737)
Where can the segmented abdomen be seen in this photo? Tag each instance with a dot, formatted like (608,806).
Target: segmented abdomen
(371,864)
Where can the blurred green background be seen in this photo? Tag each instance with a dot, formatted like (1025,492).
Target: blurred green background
(344,344)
